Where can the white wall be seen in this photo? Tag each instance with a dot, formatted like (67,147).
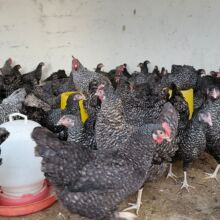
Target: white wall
(164,31)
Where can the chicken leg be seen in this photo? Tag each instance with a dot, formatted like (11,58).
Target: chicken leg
(171,174)
(214,174)
(185,183)
(137,204)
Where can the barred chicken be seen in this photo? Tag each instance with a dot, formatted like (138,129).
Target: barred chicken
(93,183)
(82,76)
(12,104)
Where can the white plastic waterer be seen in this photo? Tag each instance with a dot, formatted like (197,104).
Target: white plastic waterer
(20,172)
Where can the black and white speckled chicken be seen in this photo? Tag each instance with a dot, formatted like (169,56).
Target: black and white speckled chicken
(33,77)
(7,67)
(93,183)
(82,76)
(184,77)
(145,102)
(79,132)
(139,78)
(212,106)
(206,84)
(12,104)
(54,115)
(181,106)
(3,136)
(193,141)
(178,101)
(117,75)
(110,120)
(163,151)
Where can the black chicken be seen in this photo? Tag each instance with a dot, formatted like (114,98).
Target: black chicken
(143,66)
(6,69)
(12,81)
(34,77)
(60,74)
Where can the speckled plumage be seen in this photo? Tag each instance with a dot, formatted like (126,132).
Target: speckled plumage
(213,132)
(11,104)
(184,77)
(93,183)
(82,77)
(192,141)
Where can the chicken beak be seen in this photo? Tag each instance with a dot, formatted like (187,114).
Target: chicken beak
(83,97)
(168,139)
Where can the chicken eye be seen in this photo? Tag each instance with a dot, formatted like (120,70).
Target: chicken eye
(160,132)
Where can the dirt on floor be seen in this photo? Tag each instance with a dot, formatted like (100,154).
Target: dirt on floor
(163,199)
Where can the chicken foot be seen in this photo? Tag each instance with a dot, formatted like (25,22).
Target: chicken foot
(171,174)
(185,183)
(214,174)
(136,205)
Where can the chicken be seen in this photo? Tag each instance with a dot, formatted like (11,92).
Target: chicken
(93,183)
(45,93)
(53,116)
(60,74)
(82,77)
(6,69)
(63,85)
(117,76)
(35,109)
(3,136)
(33,77)
(156,74)
(212,135)
(98,69)
(74,125)
(79,132)
(193,141)
(163,151)
(12,104)
(110,120)
(143,66)
(125,72)
(139,78)
(184,77)
(181,106)
(12,81)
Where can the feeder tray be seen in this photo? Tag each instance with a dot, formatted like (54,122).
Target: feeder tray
(27,204)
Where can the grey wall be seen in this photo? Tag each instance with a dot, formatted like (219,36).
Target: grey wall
(112,32)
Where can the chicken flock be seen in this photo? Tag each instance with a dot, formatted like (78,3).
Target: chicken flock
(134,131)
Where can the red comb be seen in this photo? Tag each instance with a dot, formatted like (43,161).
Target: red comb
(167,128)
